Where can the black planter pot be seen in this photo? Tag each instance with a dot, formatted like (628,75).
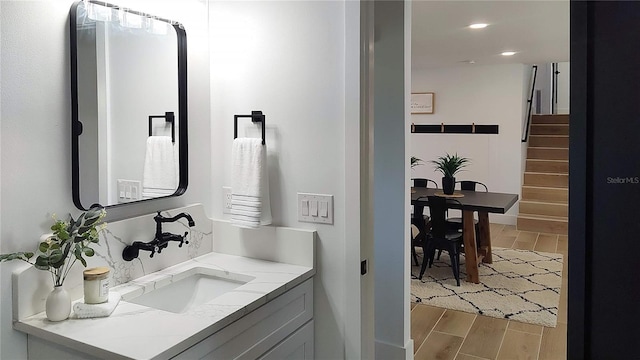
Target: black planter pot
(448,183)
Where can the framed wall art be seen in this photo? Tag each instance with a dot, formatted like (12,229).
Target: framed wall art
(423,103)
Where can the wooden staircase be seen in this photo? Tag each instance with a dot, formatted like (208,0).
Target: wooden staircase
(544,206)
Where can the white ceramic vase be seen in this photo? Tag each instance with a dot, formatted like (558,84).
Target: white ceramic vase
(58,305)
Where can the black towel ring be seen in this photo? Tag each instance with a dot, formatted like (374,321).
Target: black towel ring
(256,116)
(169,117)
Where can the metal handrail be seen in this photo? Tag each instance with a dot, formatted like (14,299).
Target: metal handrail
(534,71)
(554,88)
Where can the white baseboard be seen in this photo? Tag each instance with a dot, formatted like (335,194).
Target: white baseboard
(503,219)
(386,351)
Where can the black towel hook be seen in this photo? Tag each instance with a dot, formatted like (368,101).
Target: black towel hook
(256,116)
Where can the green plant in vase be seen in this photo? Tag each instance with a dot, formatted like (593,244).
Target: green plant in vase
(449,166)
(415,161)
(69,243)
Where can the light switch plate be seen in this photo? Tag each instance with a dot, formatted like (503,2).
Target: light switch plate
(129,190)
(311,208)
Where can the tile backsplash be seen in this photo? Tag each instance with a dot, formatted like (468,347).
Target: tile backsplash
(122,233)
(113,240)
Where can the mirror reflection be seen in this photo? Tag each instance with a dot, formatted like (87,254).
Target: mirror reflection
(129,105)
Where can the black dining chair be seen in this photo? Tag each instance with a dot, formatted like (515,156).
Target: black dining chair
(456,222)
(471,185)
(441,237)
(423,182)
(417,240)
(421,222)
(418,218)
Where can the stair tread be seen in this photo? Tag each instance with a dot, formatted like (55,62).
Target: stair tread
(554,160)
(550,135)
(551,171)
(543,217)
(548,121)
(539,187)
(548,147)
(545,173)
(548,124)
(550,115)
(547,226)
(563,187)
(543,157)
(556,173)
(549,138)
(542,202)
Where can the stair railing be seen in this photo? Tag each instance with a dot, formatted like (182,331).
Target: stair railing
(554,88)
(527,122)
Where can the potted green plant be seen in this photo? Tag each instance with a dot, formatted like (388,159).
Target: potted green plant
(449,166)
(415,161)
(58,252)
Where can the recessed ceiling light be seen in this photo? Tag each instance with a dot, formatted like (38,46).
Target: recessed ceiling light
(478,26)
(508,53)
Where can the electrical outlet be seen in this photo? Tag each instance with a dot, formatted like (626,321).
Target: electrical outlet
(226,200)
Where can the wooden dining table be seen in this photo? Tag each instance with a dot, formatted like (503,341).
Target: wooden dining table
(469,202)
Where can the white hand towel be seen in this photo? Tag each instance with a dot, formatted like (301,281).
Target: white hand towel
(160,177)
(83,311)
(250,206)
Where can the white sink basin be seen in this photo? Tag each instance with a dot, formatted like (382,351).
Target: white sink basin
(189,289)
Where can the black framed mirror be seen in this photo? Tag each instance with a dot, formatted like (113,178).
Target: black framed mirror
(129,105)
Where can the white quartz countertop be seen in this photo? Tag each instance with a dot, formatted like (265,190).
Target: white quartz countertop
(139,332)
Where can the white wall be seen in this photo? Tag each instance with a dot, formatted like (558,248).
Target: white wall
(35,113)
(288,60)
(482,95)
(563,88)
(543,83)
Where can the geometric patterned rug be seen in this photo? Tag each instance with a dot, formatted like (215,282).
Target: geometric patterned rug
(520,285)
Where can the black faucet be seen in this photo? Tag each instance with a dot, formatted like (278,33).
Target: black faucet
(161,239)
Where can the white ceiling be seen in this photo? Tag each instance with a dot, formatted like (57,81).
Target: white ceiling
(440,37)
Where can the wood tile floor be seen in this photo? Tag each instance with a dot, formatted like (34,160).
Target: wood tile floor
(447,334)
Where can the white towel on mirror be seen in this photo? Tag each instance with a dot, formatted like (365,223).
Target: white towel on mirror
(250,205)
(84,311)
(160,177)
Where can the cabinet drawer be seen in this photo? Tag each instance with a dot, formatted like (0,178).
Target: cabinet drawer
(298,345)
(260,330)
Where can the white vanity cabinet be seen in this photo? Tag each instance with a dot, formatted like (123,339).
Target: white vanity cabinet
(298,345)
(268,316)
(280,329)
